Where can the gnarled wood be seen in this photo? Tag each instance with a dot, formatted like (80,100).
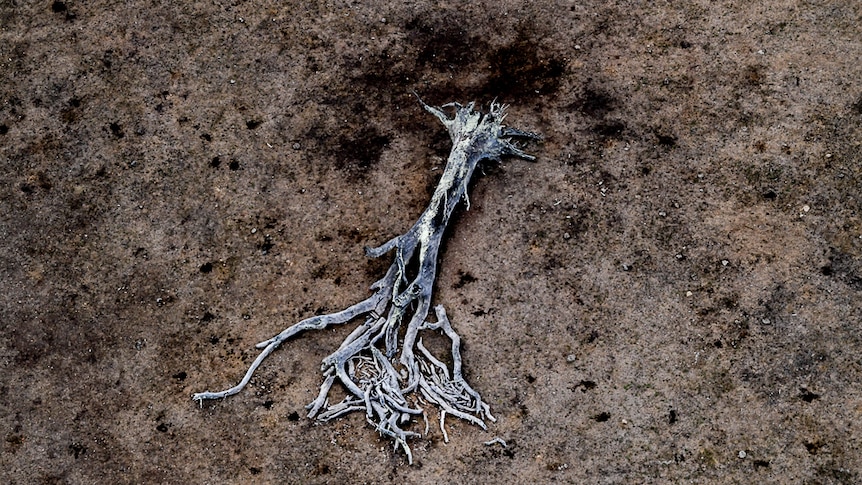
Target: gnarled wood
(379,380)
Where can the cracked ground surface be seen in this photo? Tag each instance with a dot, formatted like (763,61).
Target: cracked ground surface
(670,293)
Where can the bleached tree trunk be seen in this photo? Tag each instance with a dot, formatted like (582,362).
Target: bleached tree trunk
(384,377)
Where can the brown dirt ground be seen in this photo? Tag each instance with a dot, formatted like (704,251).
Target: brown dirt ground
(670,293)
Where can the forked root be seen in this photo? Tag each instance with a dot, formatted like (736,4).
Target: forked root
(377,363)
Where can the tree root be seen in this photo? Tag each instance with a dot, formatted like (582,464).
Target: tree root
(386,389)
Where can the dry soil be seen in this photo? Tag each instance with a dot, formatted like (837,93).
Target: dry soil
(669,294)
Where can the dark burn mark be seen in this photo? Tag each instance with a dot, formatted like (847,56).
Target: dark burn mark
(294,416)
(438,43)
(180,376)
(376,79)
(520,70)
(215,162)
(361,149)
(4,129)
(671,416)
(252,124)
(439,143)
(441,41)
(593,103)
(233,165)
(613,129)
(443,45)
(162,428)
(58,7)
(206,267)
(843,266)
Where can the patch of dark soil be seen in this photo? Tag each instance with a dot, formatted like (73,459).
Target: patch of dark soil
(519,70)
(361,149)
(441,39)
(594,103)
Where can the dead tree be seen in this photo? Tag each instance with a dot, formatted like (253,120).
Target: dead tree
(386,371)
